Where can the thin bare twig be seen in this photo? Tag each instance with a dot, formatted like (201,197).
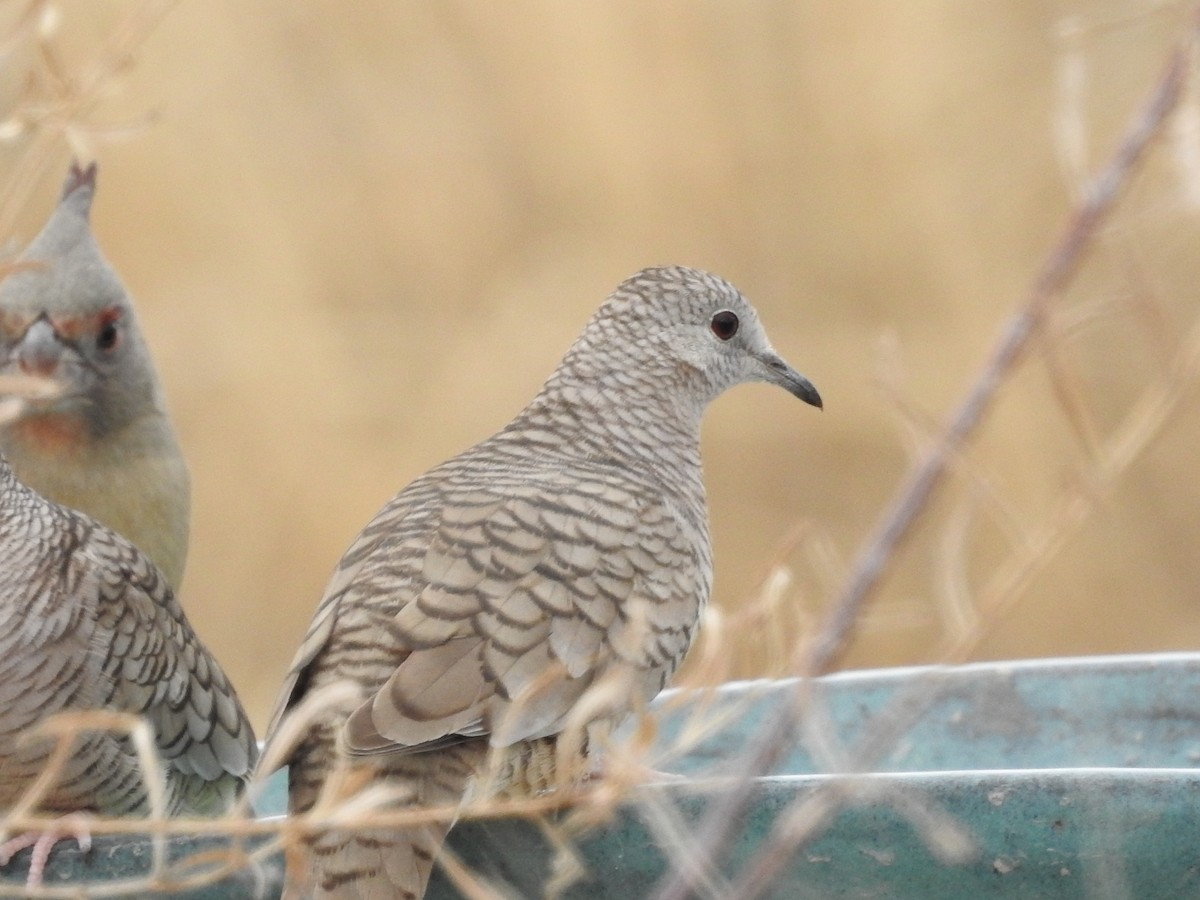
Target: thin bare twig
(913,497)
(58,103)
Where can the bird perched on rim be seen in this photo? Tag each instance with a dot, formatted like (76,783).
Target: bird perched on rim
(104,444)
(89,623)
(518,600)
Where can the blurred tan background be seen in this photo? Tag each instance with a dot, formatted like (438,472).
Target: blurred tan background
(360,236)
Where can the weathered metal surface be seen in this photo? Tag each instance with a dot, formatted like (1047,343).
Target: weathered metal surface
(1064,779)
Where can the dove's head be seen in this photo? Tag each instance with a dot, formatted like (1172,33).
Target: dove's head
(65,316)
(684,331)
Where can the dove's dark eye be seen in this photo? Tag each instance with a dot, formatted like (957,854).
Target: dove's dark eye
(724,324)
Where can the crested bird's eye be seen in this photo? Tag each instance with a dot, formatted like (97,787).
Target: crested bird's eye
(724,324)
(108,335)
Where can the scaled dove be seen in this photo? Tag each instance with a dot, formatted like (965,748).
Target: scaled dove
(87,622)
(479,606)
(105,445)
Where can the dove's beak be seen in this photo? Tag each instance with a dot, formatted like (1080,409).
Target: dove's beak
(776,371)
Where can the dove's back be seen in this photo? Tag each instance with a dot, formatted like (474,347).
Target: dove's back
(87,622)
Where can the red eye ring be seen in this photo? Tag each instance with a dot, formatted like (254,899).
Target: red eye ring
(724,324)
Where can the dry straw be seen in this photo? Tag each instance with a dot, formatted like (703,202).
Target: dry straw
(1111,458)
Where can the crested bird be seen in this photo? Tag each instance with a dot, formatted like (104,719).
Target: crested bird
(104,444)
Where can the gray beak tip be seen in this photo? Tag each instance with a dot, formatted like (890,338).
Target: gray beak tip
(780,373)
(805,391)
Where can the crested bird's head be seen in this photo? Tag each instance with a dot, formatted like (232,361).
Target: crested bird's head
(683,331)
(65,315)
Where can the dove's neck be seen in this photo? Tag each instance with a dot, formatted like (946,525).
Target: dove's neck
(632,423)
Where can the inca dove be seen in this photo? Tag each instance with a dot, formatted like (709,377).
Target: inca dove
(486,598)
(87,622)
(105,445)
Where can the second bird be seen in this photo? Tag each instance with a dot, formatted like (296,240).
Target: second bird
(511,605)
(104,444)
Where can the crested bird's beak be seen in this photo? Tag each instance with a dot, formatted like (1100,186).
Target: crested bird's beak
(776,371)
(39,352)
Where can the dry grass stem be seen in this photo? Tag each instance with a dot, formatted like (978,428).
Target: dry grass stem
(1146,420)
(470,885)
(59,102)
(1061,265)
(17,391)
(915,493)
